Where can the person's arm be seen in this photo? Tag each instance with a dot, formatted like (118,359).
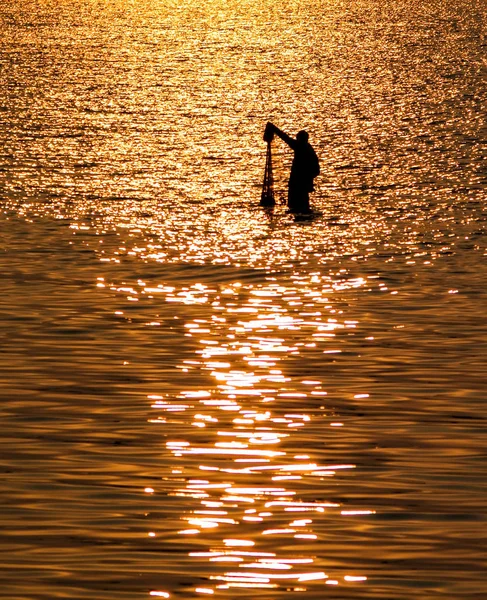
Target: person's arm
(291,142)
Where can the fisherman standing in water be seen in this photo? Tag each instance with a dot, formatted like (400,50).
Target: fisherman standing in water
(304,169)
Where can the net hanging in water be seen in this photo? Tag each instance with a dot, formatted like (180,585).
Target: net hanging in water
(267,197)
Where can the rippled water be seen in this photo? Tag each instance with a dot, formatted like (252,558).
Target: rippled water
(204,398)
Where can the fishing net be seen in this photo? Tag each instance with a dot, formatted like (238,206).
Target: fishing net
(267,196)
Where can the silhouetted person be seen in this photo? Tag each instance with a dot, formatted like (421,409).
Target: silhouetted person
(304,169)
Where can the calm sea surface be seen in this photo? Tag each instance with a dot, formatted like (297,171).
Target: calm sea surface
(200,397)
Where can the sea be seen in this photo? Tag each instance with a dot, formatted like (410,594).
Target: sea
(204,398)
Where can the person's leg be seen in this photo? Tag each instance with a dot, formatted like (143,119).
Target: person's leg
(292,200)
(298,200)
(304,203)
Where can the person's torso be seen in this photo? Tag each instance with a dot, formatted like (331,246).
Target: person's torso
(305,164)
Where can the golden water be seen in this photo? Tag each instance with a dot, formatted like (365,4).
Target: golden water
(201,398)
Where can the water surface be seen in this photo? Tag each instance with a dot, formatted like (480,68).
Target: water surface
(204,398)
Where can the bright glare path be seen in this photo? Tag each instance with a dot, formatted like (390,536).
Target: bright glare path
(254,421)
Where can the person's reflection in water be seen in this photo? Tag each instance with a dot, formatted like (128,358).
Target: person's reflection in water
(304,169)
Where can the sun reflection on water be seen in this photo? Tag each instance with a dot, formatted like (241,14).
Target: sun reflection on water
(251,486)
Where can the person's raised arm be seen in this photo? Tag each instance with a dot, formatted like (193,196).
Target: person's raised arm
(291,142)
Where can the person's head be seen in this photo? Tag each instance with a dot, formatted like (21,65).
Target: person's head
(302,136)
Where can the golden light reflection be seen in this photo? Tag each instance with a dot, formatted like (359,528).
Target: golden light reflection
(249,428)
